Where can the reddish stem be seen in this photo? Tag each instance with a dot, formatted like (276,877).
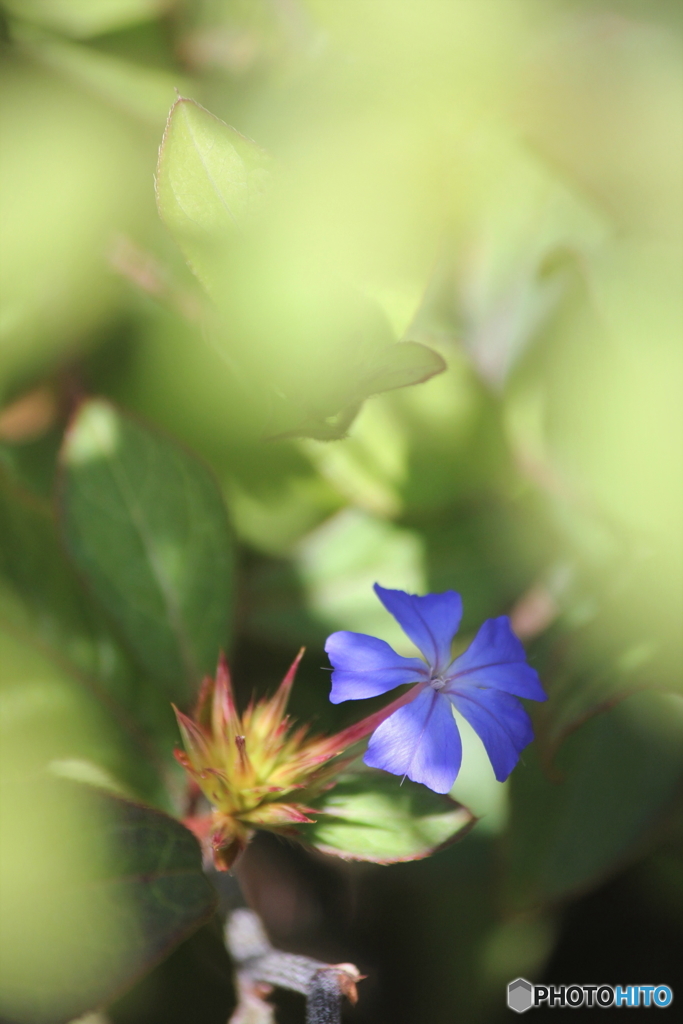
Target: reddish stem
(356,732)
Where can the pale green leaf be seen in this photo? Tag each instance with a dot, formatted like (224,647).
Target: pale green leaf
(373,816)
(143,92)
(398,366)
(83,18)
(210,182)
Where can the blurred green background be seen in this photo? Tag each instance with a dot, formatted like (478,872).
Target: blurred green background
(500,181)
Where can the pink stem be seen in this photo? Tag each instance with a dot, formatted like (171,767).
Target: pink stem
(356,732)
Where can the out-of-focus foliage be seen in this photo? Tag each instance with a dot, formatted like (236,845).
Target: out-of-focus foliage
(213,190)
(211,182)
(490,188)
(125,885)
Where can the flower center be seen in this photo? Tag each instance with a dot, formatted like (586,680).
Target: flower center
(437,683)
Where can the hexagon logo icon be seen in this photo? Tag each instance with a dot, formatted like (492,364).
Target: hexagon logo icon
(520,995)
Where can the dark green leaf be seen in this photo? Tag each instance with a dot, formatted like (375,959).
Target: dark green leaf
(45,612)
(373,816)
(31,464)
(158,863)
(35,570)
(145,523)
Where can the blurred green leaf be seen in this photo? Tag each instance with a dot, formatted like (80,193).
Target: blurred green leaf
(318,426)
(62,935)
(489,549)
(34,568)
(67,712)
(87,772)
(590,679)
(395,366)
(145,523)
(339,562)
(368,467)
(616,778)
(456,448)
(327,585)
(140,91)
(55,285)
(522,265)
(122,885)
(398,366)
(374,816)
(82,18)
(602,648)
(210,181)
(32,464)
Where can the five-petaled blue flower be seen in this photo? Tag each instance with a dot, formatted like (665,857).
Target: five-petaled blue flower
(421,739)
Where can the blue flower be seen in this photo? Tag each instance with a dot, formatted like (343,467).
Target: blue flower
(421,739)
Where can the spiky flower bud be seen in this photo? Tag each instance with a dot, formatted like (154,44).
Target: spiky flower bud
(256,769)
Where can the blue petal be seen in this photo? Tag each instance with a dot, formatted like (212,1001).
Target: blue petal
(420,740)
(365,667)
(500,721)
(495,658)
(431,621)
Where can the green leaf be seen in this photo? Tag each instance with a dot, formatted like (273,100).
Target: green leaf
(145,524)
(87,772)
(615,779)
(318,427)
(338,562)
(110,890)
(33,569)
(157,863)
(210,181)
(82,18)
(602,650)
(56,287)
(143,92)
(584,686)
(373,816)
(53,711)
(78,918)
(395,366)
(44,608)
(398,366)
